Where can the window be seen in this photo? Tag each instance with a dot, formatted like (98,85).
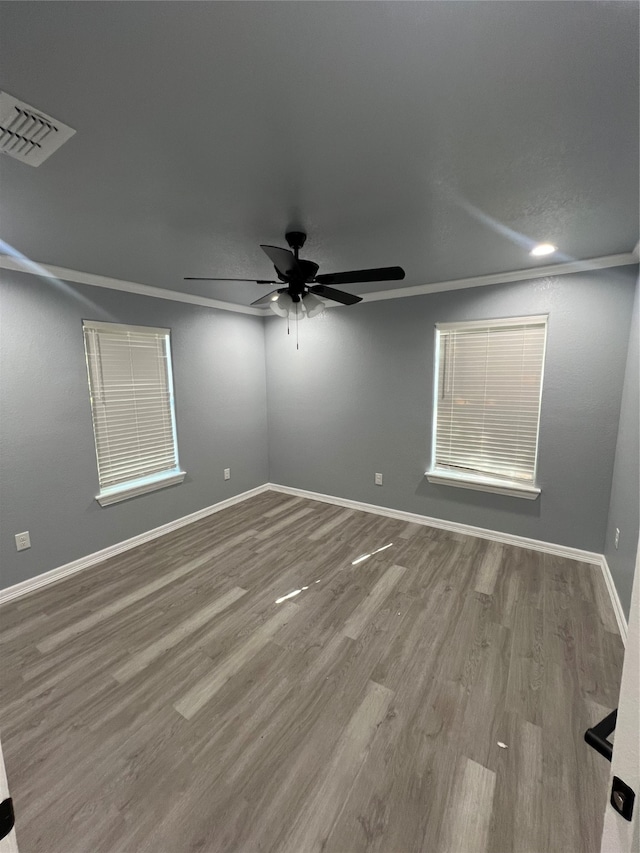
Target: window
(488,385)
(134,426)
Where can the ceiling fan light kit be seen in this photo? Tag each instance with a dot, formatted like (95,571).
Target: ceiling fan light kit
(307,305)
(303,285)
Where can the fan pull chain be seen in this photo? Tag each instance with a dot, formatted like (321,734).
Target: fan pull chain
(297,344)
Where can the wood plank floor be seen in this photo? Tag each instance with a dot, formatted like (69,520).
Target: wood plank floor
(290,676)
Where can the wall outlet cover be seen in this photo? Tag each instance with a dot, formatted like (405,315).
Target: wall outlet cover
(23,541)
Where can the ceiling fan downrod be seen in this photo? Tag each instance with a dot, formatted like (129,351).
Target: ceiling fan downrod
(295,241)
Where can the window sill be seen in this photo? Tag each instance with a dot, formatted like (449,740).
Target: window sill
(484,484)
(139,487)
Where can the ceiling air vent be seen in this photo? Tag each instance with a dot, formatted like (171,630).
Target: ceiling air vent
(28,134)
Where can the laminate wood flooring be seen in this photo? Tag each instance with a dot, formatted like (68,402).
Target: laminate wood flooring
(287,676)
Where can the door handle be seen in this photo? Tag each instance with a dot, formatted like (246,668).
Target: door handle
(597,736)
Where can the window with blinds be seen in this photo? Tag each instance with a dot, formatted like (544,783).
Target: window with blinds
(487,399)
(131,390)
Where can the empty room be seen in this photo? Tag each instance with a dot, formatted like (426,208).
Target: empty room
(319,427)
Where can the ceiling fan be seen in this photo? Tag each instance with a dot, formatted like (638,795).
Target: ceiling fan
(299,296)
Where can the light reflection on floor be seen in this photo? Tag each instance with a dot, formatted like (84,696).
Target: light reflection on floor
(366,556)
(360,559)
(292,594)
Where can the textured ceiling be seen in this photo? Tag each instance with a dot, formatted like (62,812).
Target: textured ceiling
(442,136)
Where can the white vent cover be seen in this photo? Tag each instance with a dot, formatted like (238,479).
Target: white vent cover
(28,134)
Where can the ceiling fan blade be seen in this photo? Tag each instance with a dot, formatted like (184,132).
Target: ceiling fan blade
(336,295)
(253,280)
(354,276)
(266,299)
(283,260)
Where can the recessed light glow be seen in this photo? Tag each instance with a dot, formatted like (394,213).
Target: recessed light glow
(543,249)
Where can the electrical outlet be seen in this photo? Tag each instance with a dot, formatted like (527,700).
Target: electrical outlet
(378,479)
(23,541)
(227,473)
(617,539)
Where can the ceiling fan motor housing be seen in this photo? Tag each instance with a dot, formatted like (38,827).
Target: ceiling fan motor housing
(306,270)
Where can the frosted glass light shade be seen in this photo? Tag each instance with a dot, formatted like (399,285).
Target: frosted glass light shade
(282,305)
(313,306)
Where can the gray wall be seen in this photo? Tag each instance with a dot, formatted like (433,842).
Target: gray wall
(356,398)
(48,467)
(624,509)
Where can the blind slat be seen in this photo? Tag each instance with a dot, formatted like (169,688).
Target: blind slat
(146,454)
(488,398)
(132,402)
(125,474)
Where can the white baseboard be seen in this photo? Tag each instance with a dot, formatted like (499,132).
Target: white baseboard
(615,600)
(454,526)
(591,557)
(55,575)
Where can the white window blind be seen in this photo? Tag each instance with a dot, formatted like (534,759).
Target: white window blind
(487,407)
(131,391)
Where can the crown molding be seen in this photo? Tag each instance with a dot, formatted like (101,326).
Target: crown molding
(75,276)
(564,268)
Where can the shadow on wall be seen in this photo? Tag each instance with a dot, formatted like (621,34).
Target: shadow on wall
(452,496)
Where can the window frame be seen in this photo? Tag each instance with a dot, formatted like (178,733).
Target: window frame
(479,481)
(139,485)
